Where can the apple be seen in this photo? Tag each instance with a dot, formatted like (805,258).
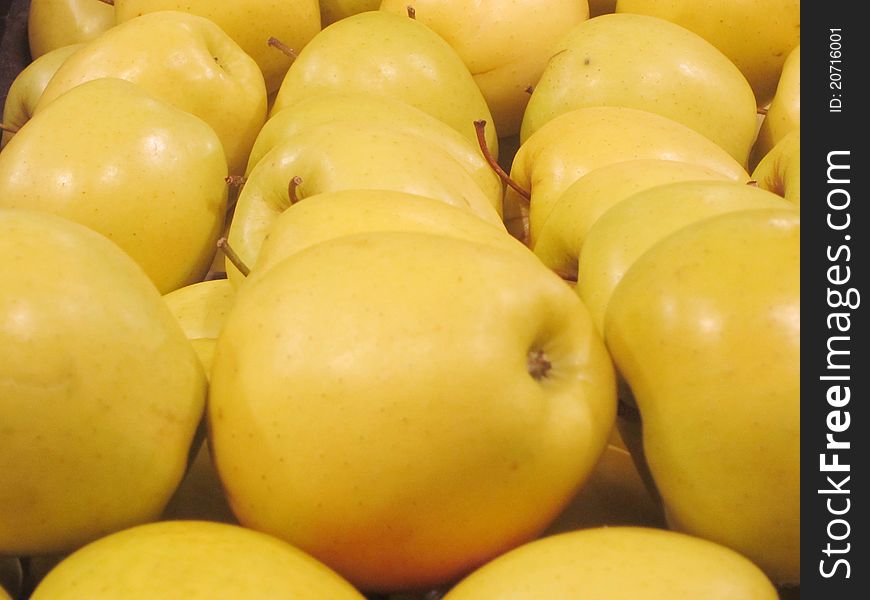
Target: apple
(784,113)
(191,559)
(705,329)
(52,24)
(649,64)
(185,60)
(389,55)
(756,36)
(250,23)
(505,44)
(148,176)
(780,170)
(426,406)
(100,392)
(618,563)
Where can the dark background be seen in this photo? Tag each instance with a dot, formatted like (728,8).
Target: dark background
(14,53)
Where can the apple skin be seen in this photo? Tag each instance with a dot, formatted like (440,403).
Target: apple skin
(100,392)
(784,113)
(707,336)
(384,416)
(185,60)
(148,176)
(53,24)
(656,66)
(780,171)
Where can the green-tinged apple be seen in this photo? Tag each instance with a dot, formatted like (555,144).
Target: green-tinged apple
(577,142)
(705,328)
(177,560)
(335,10)
(250,23)
(100,392)
(380,53)
(576,210)
(148,176)
(339,157)
(380,111)
(185,60)
(27,88)
(335,214)
(404,418)
(504,43)
(756,36)
(55,23)
(784,113)
(780,170)
(630,228)
(649,64)
(618,563)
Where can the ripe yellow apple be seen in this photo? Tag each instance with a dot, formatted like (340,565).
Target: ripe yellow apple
(618,563)
(756,36)
(573,144)
(27,87)
(649,64)
(423,408)
(250,23)
(780,170)
(380,53)
(705,328)
(148,176)
(179,560)
(185,60)
(784,113)
(335,10)
(55,23)
(630,228)
(576,210)
(504,43)
(100,392)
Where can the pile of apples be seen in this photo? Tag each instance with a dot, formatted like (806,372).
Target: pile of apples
(361,298)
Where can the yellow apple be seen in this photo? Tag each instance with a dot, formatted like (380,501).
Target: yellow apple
(185,60)
(756,36)
(334,10)
(424,407)
(179,560)
(705,328)
(380,53)
(100,392)
(784,113)
(148,176)
(618,563)
(649,64)
(504,43)
(52,24)
(579,207)
(250,23)
(780,170)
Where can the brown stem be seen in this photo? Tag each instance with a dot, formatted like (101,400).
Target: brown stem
(292,189)
(237,261)
(109,2)
(412,12)
(276,43)
(529,90)
(762,110)
(234,185)
(752,183)
(537,364)
(8,128)
(480,128)
(235,181)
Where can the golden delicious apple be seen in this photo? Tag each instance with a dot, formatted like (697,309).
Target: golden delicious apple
(573,144)
(630,228)
(250,23)
(780,170)
(424,407)
(148,176)
(185,60)
(335,10)
(27,87)
(380,53)
(618,563)
(705,328)
(100,392)
(504,43)
(577,209)
(179,560)
(55,23)
(756,36)
(649,64)
(784,113)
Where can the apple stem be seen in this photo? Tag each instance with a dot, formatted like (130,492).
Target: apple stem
(109,2)
(234,185)
(276,43)
(762,110)
(237,261)
(537,364)
(292,188)
(529,90)
(8,128)
(412,12)
(752,183)
(566,275)
(480,128)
